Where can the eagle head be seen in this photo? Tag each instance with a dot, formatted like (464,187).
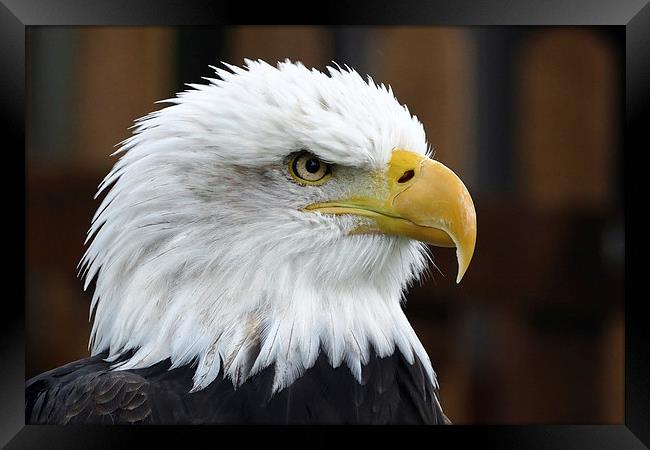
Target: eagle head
(265,217)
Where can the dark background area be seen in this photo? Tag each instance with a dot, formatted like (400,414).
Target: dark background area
(529,117)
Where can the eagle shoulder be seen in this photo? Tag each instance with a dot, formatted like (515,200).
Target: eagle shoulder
(391,391)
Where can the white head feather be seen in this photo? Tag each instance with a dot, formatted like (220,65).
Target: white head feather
(202,255)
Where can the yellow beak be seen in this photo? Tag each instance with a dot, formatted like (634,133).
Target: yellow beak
(422,200)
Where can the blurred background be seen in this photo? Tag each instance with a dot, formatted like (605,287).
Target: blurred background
(529,117)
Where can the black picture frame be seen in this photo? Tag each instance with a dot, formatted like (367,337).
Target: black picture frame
(16,15)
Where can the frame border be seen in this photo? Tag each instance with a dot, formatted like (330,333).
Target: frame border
(634,15)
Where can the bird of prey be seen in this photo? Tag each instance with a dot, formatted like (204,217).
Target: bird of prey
(251,256)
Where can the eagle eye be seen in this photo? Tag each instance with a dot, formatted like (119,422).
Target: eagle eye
(308,169)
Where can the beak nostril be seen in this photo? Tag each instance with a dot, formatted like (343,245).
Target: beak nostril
(406,176)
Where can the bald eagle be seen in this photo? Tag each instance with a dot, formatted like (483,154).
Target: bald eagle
(251,256)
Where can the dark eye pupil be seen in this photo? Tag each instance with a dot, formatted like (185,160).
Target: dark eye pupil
(312,165)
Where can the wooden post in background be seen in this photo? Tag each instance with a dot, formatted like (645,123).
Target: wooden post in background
(122,72)
(567,116)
